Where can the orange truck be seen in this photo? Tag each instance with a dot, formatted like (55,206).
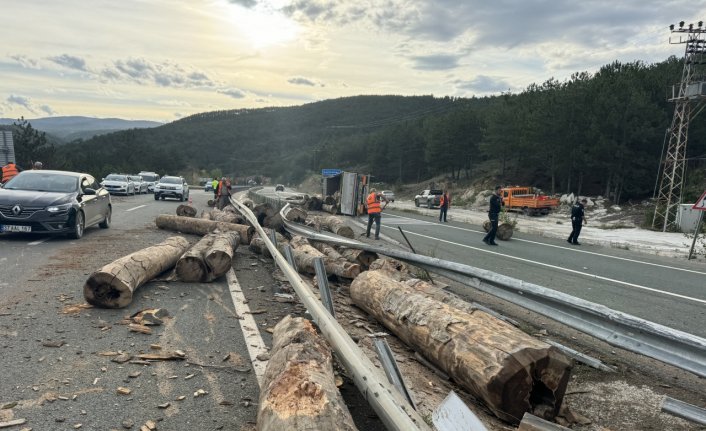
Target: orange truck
(527,201)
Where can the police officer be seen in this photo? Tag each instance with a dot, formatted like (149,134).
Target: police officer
(578,219)
(496,203)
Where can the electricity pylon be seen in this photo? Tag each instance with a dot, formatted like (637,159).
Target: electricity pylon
(691,92)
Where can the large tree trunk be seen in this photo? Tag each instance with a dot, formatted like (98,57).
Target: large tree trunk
(202,227)
(257,244)
(299,391)
(295,214)
(113,285)
(362,257)
(332,209)
(219,256)
(336,225)
(191,266)
(314,203)
(304,254)
(225,215)
(510,371)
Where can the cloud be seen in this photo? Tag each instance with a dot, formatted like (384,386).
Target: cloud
(27,103)
(26,62)
(70,62)
(244,3)
(302,81)
(435,62)
(484,84)
(233,92)
(164,74)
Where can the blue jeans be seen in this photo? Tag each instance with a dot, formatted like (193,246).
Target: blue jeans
(373,217)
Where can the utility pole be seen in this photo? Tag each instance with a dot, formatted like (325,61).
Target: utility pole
(688,98)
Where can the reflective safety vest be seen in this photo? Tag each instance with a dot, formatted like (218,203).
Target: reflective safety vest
(9,171)
(442,201)
(373,204)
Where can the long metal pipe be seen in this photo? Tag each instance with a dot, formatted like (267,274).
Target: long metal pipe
(392,408)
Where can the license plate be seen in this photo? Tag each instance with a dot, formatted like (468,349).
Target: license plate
(14,228)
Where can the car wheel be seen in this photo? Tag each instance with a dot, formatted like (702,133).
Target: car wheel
(156,197)
(416,202)
(162,197)
(430,204)
(79,225)
(105,224)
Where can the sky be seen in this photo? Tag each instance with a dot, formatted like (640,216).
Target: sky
(163,60)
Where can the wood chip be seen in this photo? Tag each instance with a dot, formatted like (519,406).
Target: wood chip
(53,343)
(12,423)
(165,356)
(155,347)
(256,312)
(181,398)
(122,358)
(135,327)
(164,406)
(124,391)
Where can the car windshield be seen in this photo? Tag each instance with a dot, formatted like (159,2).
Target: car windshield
(43,182)
(113,177)
(136,179)
(150,178)
(170,180)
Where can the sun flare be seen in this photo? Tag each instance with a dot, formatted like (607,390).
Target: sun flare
(262,26)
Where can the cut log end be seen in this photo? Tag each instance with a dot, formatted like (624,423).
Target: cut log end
(104,290)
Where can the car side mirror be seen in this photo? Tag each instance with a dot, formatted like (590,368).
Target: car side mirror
(89,191)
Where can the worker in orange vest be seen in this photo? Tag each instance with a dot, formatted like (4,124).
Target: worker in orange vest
(374,212)
(9,171)
(444,204)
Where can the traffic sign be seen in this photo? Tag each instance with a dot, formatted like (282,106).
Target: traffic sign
(701,203)
(330,172)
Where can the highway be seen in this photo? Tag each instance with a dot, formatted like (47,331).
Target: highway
(668,291)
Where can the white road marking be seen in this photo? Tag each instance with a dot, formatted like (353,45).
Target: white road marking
(598,277)
(253,340)
(137,207)
(39,241)
(574,249)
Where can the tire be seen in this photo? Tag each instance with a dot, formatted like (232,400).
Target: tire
(105,224)
(181,198)
(156,197)
(79,226)
(526,211)
(416,202)
(162,197)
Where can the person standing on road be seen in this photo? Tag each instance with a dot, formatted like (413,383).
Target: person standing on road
(9,171)
(374,212)
(444,204)
(214,185)
(578,218)
(224,189)
(496,203)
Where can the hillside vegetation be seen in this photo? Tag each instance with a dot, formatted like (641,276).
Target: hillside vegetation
(596,133)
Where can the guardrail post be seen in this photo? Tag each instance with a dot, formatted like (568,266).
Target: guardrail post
(322,280)
(387,359)
(289,254)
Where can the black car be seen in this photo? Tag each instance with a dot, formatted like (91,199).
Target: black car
(53,202)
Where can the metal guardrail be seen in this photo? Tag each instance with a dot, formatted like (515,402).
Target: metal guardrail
(671,346)
(684,410)
(392,408)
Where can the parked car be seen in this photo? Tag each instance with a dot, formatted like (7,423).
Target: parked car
(140,185)
(150,178)
(208,187)
(431,198)
(279,188)
(53,202)
(118,184)
(171,187)
(388,195)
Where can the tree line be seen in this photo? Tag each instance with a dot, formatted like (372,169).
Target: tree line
(599,133)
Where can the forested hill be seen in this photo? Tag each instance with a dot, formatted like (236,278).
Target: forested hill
(594,133)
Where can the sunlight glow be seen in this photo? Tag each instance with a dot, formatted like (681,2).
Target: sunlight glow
(263,25)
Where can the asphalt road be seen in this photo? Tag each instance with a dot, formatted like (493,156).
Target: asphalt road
(664,290)
(60,388)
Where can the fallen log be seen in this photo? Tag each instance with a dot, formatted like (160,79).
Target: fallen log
(314,203)
(337,226)
(257,245)
(219,256)
(298,389)
(510,371)
(114,285)
(202,227)
(305,254)
(191,265)
(332,209)
(296,214)
(186,211)
(248,203)
(226,216)
(326,249)
(211,202)
(329,200)
(362,257)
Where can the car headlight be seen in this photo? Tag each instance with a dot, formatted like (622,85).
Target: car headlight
(59,208)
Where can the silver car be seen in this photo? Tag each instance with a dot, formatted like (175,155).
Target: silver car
(118,184)
(140,184)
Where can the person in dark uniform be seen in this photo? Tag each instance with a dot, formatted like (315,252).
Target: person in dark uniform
(578,218)
(496,203)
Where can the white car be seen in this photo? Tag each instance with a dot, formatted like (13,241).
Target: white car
(150,178)
(140,185)
(171,187)
(118,184)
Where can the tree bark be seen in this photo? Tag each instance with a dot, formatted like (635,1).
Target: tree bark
(315,203)
(299,391)
(510,371)
(186,210)
(257,244)
(226,216)
(332,209)
(336,225)
(304,254)
(114,285)
(202,227)
(296,214)
(364,258)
